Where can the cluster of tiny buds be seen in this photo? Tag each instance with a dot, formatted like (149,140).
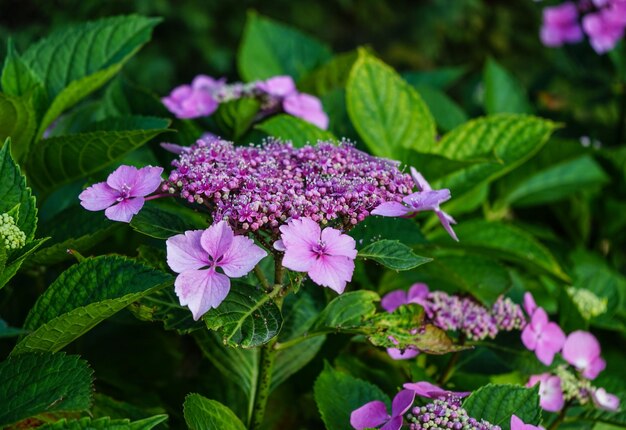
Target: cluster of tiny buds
(573,386)
(589,305)
(475,321)
(10,234)
(445,414)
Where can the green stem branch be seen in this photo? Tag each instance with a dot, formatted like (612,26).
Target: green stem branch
(557,422)
(449,370)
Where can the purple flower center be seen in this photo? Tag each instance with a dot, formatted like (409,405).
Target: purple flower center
(124,193)
(319,249)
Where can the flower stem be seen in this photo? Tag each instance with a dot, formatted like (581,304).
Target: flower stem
(449,370)
(158,196)
(261,277)
(557,422)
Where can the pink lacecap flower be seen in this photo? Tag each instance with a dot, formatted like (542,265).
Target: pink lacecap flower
(604,400)
(582,350)
(542,336)
(426,199)
(195,100)
(394,299)
(560,25)
(374,414)
(518,424)
(197,254)
(306,107)
(326,255)
(123,194)
(550,392)
(431,391)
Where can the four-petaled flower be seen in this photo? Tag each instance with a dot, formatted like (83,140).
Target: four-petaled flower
(582,350)
(550,391)
(197,254)
(326,255)
(374,414)
(425,199)
(542,336)
(518,424)
(123,194)
(195,100)
(431,391)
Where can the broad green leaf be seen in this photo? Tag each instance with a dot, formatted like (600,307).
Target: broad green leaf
(161,219)
(59,160)
(440,78)
(16,258)
(446,112)
(83,296)
(32,384)
(496,404)
(503,92)
(330,76)
(105,423)
(347,311)
(506,242)
(18,122)
(505,141)
(17,78)
(75,61)
(108,407)
(248,317)
(6,331)
(269,48)
(388,113)
(375,228)
(557,182)
(337,394)
(202,413)
(296,130)
(235,117)
(163,305)
(14,191)
(393,255)
(73,228)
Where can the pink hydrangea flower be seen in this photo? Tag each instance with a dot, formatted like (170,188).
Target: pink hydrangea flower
(560,25)
(431,391)
(550,392)
(195,100)
(518,424)
(425,199)
(374,414)
(542,336)
(197,254)
(123,194)
(306,107)
(604,400)
(606,27)
(582,350)
(326,255)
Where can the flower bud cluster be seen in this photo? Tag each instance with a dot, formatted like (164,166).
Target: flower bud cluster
(10,234)
(445,414)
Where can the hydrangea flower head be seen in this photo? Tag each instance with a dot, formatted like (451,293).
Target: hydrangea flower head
(518,424)
(326,255)
(123,194)
(197,254)
(195,100)
(444,414)
(374,414)
(582,350)
(542,336)
(550,391)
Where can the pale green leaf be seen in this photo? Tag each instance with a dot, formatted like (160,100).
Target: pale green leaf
(18,122)
(203,414)
(165,219)
(105,423)
(296,130)
(503,92)
(393,255)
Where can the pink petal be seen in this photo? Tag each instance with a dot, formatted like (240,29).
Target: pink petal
(279,246)
(604,400)
(551,394)
(98,197)
(431,391)
(529,338)
(241,257)
(516,423)
(594,368)
(207,82)
(279,86)
(333,272)
(184,251)
(301,233)
(391,209)
(402,402)
(539,319)
(201,290)
(306,107)
(418,293)
(124,210)
(174,148)
(580,349)
(399,354)
(446,220)
(338,243)
(421,183)
(426,200)
(217,239)
(148,181)
(545,354)
(529,303)
(536,379)
(299,259)
(550,342)
(393,300)
(395,423)
(369,415)
(123,177)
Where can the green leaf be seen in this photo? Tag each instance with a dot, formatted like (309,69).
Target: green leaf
(447,113)
(296,130)
(164,306)
(59,160)
(505,242)
(269,48)
(496,404)
(557,182)
(393,255)
(235,117)
(6,331)
(32,384)
(505,141)
(162,220)
(16,258)
(614,418)
(388,113)
(105,406)
(248,317)
(83,296)
(376,227)
(17,121)
(440,78)
(503,92)
(73,228)
(202,413)
(330,76)
(76,61)
(337,394)
(17,78)
(347,311)
(105,423)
